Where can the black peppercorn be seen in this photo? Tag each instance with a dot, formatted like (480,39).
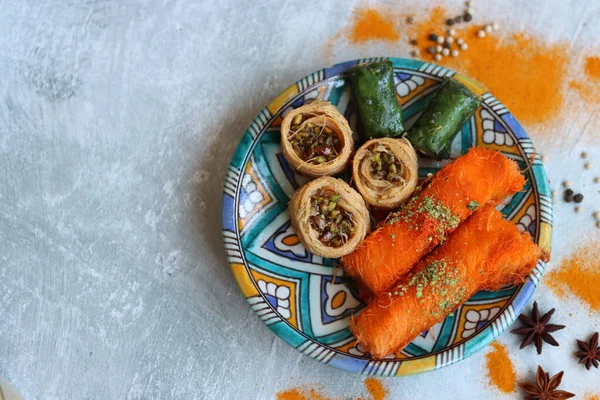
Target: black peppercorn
(433,37)
(578,198)
(414,42)
(450,21)
(458,19)
(447,45)
(468,17)
(568,195)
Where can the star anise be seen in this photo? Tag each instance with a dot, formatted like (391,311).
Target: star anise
(537,329)
(589,353)
(545,387)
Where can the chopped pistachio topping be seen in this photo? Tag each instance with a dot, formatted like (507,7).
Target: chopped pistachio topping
(313,143)
(386,166)
(438,278)
(439,211)
(429,206)
(329,219)
(473,205)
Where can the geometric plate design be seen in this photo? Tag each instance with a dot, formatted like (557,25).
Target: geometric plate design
(304,298)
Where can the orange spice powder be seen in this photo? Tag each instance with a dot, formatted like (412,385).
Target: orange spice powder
(590,396)
(592,67)
(589,88)
(376,389)
(527,74)
(587,91)
(579,275)
(500,369)
(301,394)
(524,73)
(291,394)
(433,23)
(370,24)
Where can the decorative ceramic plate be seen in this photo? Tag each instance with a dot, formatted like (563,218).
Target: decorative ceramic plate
(302,297)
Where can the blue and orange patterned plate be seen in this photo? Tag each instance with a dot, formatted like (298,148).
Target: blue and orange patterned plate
(303,298)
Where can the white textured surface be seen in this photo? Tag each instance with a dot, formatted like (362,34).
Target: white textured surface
(117,122)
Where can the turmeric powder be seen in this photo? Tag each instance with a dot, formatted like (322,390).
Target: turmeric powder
(589,88)
(531,88)
(500,369)
(370,24)
(375,388)
(580,275)
(299,393)
(592,67)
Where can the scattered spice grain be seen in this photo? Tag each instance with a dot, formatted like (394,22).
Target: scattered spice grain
(568,195)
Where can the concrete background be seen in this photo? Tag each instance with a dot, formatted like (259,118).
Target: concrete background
(117,122)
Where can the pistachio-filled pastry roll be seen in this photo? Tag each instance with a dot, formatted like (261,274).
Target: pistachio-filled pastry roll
(329,217)
(316,139)
(385,172)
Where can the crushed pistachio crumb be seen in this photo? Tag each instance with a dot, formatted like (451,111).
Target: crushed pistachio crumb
(473,205)
(437,277)
(438,211)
